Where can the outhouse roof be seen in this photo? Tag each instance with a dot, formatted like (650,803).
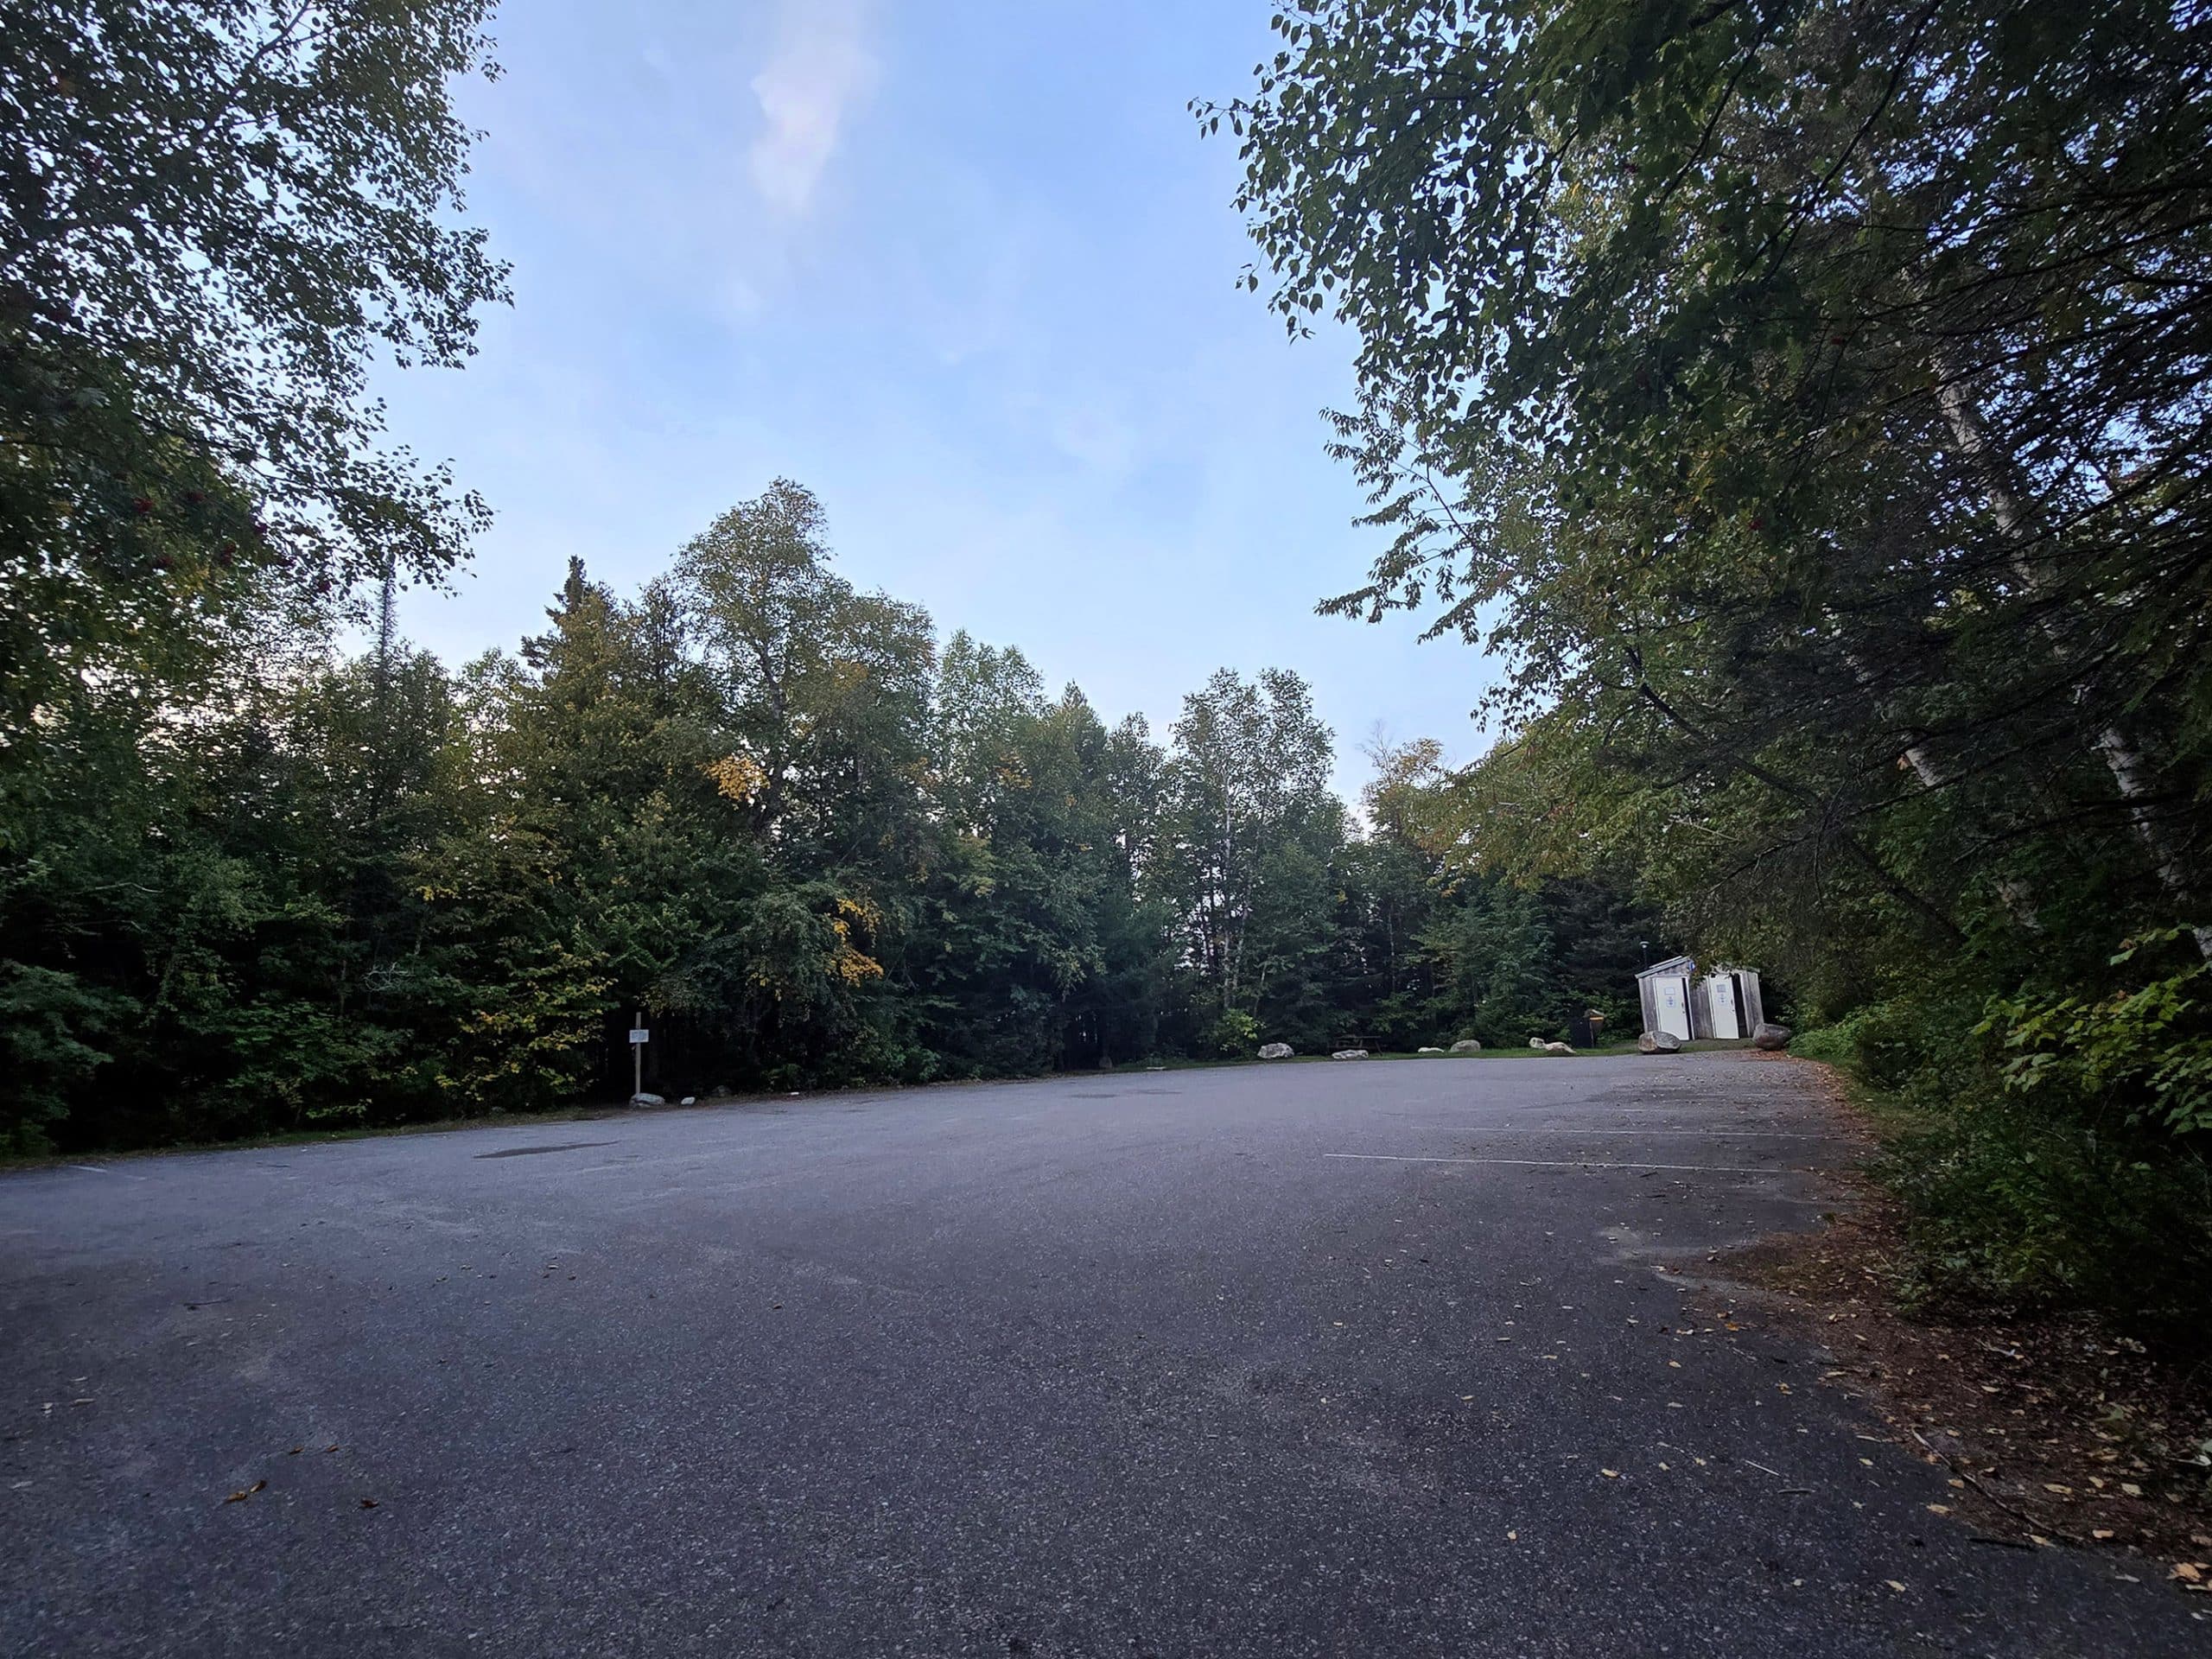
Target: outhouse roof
(1673,966)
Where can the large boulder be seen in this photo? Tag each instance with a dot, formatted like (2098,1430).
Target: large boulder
(1276,1050)
(1536,1043)
(1426,1050)
(647,1100)
(1559,1048)
(1466,1046)
(1767,1034)
(1348,1054)
(1658,1042)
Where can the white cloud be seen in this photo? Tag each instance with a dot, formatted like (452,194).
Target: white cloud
(821,67)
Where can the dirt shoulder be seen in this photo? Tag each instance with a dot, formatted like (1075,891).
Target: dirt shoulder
(2054,1430)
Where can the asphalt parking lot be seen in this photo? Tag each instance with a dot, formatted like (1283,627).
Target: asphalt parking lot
(1312,1359)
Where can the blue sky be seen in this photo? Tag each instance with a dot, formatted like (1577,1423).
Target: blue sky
(966,271)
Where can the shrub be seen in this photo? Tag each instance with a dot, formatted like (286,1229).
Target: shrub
(49,1024)
(1235,1034)
(1832,1043)
(2010,1205)
(2143,1050)
(2063,1156)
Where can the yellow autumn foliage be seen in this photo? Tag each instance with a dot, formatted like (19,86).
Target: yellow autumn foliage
(738,777)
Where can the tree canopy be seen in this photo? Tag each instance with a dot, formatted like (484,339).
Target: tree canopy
(215,217)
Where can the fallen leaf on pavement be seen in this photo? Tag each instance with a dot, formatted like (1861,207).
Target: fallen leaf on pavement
(241,1497)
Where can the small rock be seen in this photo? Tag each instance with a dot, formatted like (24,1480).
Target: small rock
(689,1100)
(1428,1051)
(1535,1042)
(1348,1054)
(1466,1046)
(1276,1050)
(1767,1034)
(1558,1048)
(1658,1042)
(647,1100)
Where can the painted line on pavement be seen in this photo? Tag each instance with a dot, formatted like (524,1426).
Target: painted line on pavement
(1710,1135)
(1560,1163)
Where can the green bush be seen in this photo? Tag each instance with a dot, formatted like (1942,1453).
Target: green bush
(2010,1206)
(1898,1043)
(1234,1035)
(49,1024)
(2143,1050)
(2060,1159)
(1831,1043)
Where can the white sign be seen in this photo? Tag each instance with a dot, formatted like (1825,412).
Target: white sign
(639,1035)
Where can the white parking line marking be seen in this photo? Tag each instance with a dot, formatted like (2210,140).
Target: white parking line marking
(1559,1163)
(1711,1135)
(1687,1108)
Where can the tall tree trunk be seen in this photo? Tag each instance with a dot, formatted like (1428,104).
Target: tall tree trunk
(2122,756)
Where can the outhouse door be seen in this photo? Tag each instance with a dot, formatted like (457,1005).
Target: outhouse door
(1671,998)
(1720,989)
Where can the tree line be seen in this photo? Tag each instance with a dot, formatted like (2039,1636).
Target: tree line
(766,807)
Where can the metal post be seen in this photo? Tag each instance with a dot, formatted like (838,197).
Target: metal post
(637,1060)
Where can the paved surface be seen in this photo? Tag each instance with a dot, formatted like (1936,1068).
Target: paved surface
(1203,1363)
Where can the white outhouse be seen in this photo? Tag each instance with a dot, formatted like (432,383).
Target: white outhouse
(1722,1004)
(1664,990)
(1728,998)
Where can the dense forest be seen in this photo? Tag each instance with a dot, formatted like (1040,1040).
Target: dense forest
(815,847)
(1802,403)
(1805,403)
